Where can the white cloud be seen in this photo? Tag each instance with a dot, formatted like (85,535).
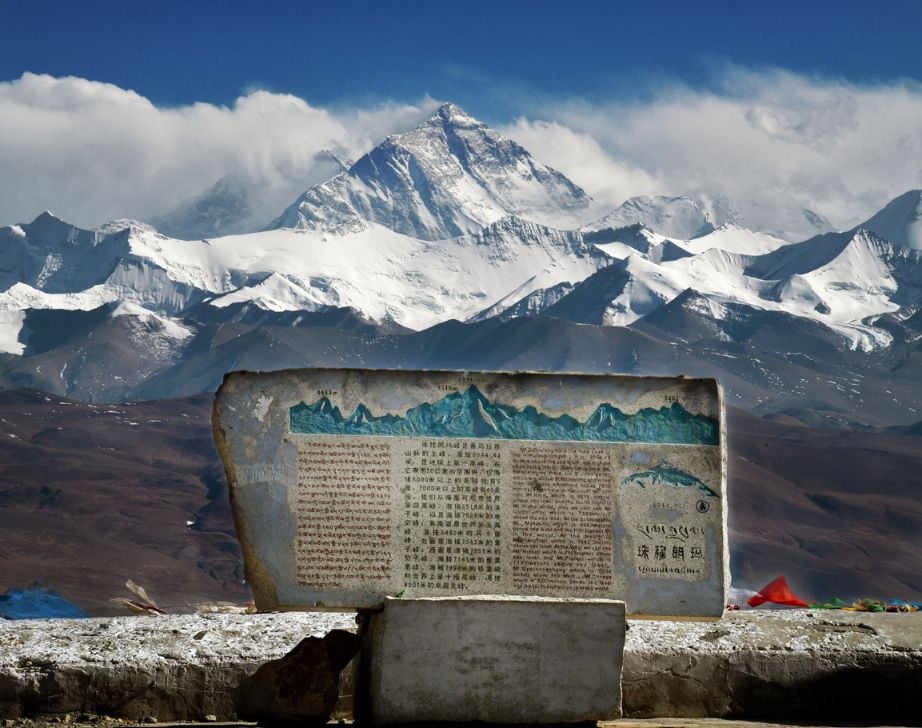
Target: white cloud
(770,142)
(92,152)
(767,142)
(579,156)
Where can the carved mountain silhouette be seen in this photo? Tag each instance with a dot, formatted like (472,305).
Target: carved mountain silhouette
(471,414)
(665,473)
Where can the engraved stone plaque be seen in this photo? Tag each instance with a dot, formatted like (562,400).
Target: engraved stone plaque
(349,486)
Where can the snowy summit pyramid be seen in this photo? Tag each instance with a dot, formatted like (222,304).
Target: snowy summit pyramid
(900,222)
(449,176)
(680,217)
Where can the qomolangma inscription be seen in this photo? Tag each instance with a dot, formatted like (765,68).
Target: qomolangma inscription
(354,485)
(452,516)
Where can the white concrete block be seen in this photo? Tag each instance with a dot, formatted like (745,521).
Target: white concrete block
(496,659)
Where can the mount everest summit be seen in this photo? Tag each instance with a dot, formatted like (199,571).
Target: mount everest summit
(448,223)
(450,176)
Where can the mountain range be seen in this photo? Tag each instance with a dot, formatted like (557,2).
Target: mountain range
(442,246)
(470,414)
(450,247)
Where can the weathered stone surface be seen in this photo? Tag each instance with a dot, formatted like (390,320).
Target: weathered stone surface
(778,665)
(301,686)
(767,663)
(97,722)
(175,668)
(352,485)
(496,660)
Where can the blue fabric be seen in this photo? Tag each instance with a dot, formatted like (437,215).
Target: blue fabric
(36,604)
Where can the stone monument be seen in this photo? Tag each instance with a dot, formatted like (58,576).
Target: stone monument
(349,486)
(488,523)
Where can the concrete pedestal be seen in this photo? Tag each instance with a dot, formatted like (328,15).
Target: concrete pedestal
(496,660)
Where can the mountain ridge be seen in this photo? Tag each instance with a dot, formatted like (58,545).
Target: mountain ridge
(470,414)
(900,221)
(145,308)
(449,176)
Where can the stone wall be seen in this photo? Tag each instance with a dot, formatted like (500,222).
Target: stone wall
(761,665)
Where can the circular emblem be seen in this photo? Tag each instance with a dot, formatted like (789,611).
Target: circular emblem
(702,506)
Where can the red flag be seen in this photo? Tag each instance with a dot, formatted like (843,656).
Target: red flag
(776,591)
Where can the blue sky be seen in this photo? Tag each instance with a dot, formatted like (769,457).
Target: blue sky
(480,54)
(131,109)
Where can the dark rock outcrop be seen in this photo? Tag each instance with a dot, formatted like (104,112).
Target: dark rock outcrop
(302,686)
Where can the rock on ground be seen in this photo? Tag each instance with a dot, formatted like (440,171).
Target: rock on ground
(302,686)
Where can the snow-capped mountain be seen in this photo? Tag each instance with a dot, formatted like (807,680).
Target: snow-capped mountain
(450,176)
(679,218)
(732,238)
(684,218)
(900,221)
(53,256)
(843,281)
(243,202)
(449,222)
(381,274)
(222,209)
